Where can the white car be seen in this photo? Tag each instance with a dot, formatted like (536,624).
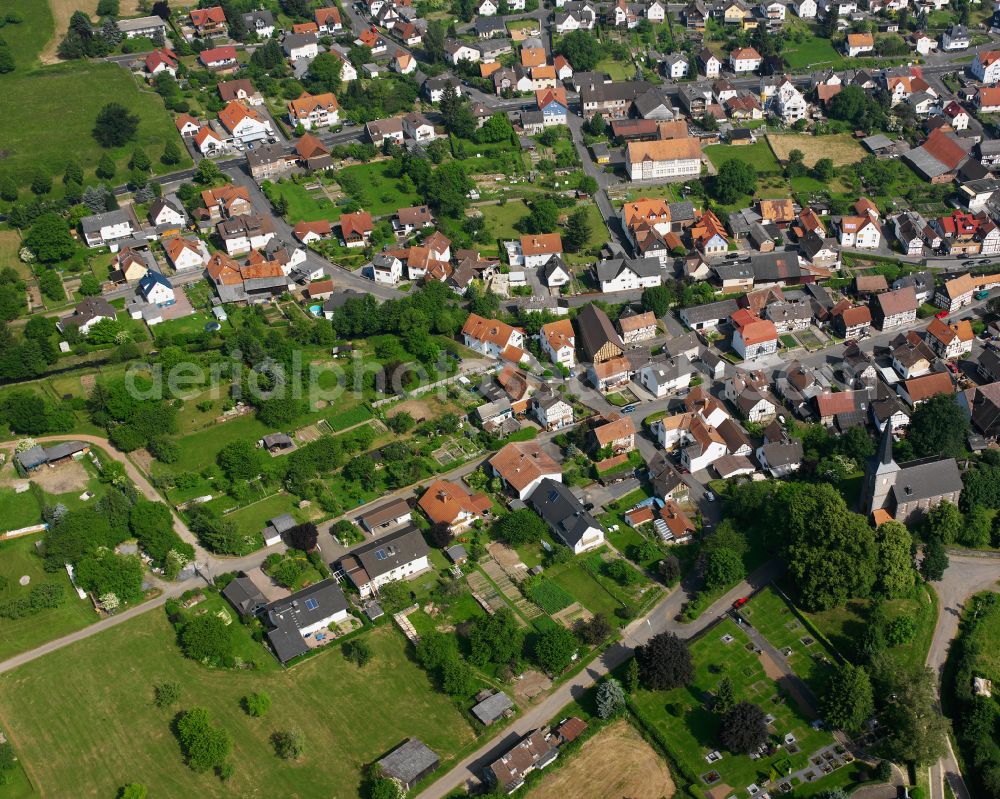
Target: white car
(710,496)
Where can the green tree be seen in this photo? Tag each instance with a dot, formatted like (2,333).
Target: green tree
(166,694)
(913,728)
(41,183)
(725,696)
(105,572)
(723,567)
(823,170)
(171,153)
(658,299)
(140,160)
(207,171)
(134,790)
(894,563)
(847,701)
(945,522)
(544,217)
(578,231)
(240,460)
(8,188)
(288,744)
(520,527)
(581,49)
(735,179)
(325,71)
(743,729)
(204,745)
(632,676)
(358,651)
(938,427)
(664,662)
(554,649)
(978,528)
(610,698)
(49,239)
(495,639)
(106,167)
(830,551)
(207,638)
(935,561)
(115,125)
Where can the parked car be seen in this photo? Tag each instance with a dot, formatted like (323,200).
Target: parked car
(940,314)
(741,602)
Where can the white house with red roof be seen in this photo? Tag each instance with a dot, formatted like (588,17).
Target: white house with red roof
(493,338)
(753,337)
(957,116)
(985,66)
(161,60)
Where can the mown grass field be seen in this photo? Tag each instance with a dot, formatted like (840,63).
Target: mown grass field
(759,155)
(27,39)
(64,102)
(380,194)
(17,559)
(811,52)
(841,148)
(109,733)
(304,206)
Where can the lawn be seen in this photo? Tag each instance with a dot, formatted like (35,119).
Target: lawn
(27,39)
(844,626)
(303,206)
(198,450)
(32,140)
(377,192)
(500,219)
(987,635)
(253,517)
(10,245)
(840,148)
(583,587)
(18,510)
(18,559)
(683,719)
(618,70)
(759,155)
(811,52)
(112,734)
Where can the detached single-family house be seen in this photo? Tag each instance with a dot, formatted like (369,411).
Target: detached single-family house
(753,337)
(356,228)
(156,289)
(566,516)
(522,466)
(398,555)
(448,503)
(105,229)
(858,43)
(296,619)
(558,341)
(313,111)
(493,338)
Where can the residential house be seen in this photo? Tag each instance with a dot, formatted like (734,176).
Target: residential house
(522,466)
(558,341)
(922,388)
(708,316)
(550,409)
(219,59)
(628,274)
(780,458)
(308,232)
(911,357)
(805,9)
(448,503)
(356,228)
(87,313)
(860,232)
(610,375)
(208,22)
(328,20)
(598,338)
(709,64)
(398,555)
(636,327)
(534,751)
(386,516)
(744,59)
(493,338)
(100,230)
(241,90)
(955,293)
(313,111)
(294,620)
(552,104)
(892,309)
(753,337)
(666,376)
(566,516)
(244,124)
(379,130)
(152,27)
(955,37)
(851,321)
(301,45)
(161,60)
(538,248)
(269,161)
(185,253)
(615,433)
(417,127)
(156,289)
(240,234)
(950,340)
(260,23)
(386,268)
(705,445)
(858,43)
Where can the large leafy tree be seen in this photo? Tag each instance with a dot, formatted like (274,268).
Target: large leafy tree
(581,49)
(520,527)
(938,427)
(935,561)
(735,179)
(830,551)
(207,637)
(554,649)
(664,663)
(914,728)
(847,701)
(894,561)
(204,745)
(49,239)
(115,125)
(495,639)
(743,729)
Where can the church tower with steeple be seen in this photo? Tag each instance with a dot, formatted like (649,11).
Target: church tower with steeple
(881,474)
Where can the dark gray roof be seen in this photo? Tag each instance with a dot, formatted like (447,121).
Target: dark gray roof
(562,511)
(93,224)
(664,474)
(733,271)
(820,294)
(264,16)
(295,40)
(775,266)
(925,479)
(244,596)
(410,762)
(283,523)
(682,345)
(32,458)
(303,608)
(492,707)
(390,551)
(681,211)
(596,330)
(276,439)
(612,267)
(780,454)
(387,511)
(64,449)
(604,92)
(710,311)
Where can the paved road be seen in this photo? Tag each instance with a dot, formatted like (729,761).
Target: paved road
(661,619)
(966,575)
